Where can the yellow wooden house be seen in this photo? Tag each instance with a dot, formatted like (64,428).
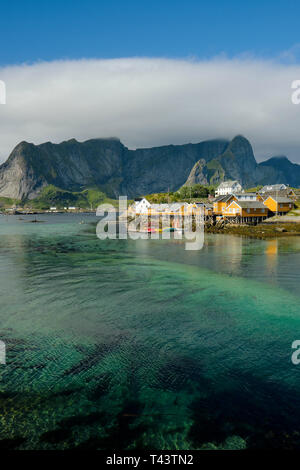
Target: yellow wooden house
(221,203)
(279,205)
(246,211)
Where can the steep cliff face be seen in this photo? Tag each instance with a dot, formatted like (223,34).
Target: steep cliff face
(69,165)
(108,165)
(237,162)
(199,174)
(18,177)
(105,163)
(161,168)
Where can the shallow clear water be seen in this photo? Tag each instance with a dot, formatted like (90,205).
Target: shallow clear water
(142,344)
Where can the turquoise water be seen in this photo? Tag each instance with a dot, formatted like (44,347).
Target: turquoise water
(144,345)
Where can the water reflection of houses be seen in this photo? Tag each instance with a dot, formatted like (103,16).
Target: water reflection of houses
(271,253)
(229,255)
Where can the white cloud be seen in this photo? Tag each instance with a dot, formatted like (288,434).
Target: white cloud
(147,102)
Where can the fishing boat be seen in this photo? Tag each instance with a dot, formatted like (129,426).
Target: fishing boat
(172,229)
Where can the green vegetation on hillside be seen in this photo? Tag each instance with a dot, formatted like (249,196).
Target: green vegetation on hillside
(60,198)
(196,191)
(6,202)
(185,193)
(162,198)
(216,172)
(253,190)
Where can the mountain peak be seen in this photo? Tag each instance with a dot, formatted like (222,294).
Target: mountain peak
(277,161)
(114,169)
(70,141)
(279,157)
(239,141)
(240,138)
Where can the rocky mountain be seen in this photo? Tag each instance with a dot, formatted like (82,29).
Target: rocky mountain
(103,163)
(111,167)
(70,165)
(237,162)
(282,170)
(199,174)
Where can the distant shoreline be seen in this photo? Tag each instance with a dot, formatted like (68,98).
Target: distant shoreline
(263,231)
(39,212)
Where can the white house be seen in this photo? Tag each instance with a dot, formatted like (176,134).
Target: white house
(273,187)
(141,206)
(228,187)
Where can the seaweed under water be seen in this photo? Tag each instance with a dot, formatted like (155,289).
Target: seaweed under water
(118,344)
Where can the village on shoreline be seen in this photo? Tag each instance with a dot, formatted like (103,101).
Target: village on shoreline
(230,204)
(269,211)
(272,210)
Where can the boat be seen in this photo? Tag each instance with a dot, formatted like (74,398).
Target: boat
(172,229)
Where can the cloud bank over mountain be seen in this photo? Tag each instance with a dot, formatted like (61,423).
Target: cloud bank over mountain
(148,102)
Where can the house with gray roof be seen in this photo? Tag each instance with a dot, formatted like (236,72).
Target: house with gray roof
(228,187)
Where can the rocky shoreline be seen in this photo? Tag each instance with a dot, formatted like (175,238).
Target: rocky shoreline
(261,231)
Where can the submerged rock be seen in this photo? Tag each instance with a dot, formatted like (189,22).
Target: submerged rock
(231,443)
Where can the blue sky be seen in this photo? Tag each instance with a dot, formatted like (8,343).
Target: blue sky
(35,30)
(180,71)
